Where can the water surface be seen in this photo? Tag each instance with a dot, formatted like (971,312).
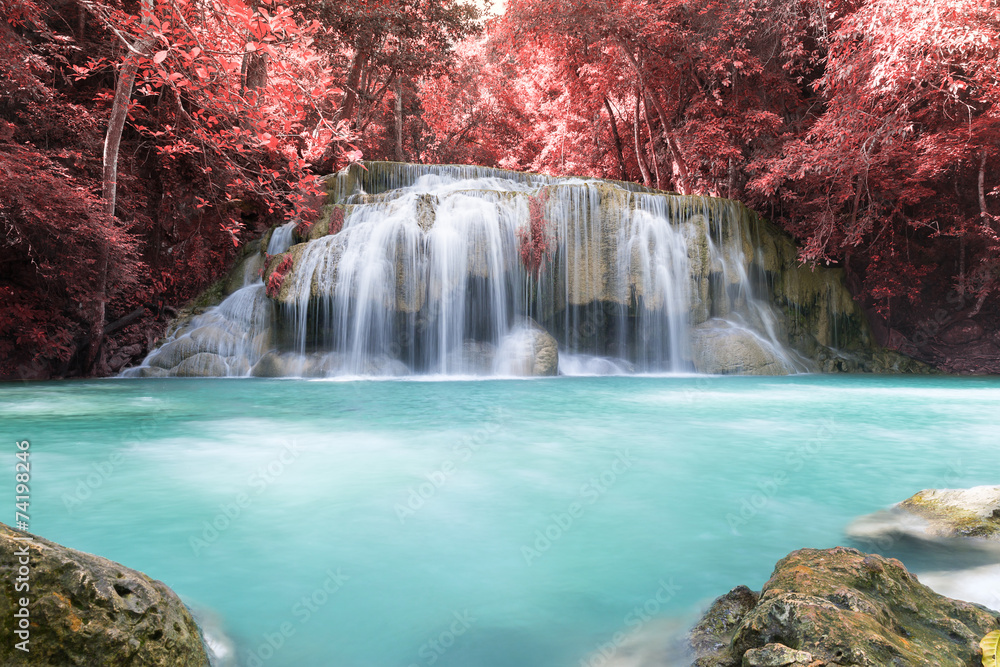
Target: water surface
(499,523)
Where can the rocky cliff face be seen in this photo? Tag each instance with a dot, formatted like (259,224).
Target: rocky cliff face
(87,610)
(840,607)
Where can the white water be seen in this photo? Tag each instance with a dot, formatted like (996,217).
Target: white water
(426,276)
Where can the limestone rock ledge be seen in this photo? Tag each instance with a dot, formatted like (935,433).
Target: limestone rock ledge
(88,610)
(825,607)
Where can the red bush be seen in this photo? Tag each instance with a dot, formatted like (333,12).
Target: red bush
(277,276)
(533,241)
(336,220)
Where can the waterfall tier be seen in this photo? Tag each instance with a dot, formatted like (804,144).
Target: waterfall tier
(473,271)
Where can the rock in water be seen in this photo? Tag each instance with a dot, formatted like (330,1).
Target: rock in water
(710,638)
(971,512)
(528,351)
(840,607)
(719,348)
(937,513)
(87,610)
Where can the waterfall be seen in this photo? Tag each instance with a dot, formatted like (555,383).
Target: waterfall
(423,269)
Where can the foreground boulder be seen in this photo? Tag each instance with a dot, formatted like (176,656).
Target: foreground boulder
(87,610)
(840,607)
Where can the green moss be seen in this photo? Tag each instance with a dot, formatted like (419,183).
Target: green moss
(962,522)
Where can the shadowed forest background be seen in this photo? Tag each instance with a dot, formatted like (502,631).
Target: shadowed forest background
(142,144)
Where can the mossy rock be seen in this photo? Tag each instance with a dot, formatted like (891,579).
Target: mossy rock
(844,607)
(295,252)
(86,610)
(971,512)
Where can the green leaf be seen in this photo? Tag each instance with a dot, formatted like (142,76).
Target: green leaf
(989,644)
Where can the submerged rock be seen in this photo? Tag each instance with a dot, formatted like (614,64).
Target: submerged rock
(840,607)
(87,610)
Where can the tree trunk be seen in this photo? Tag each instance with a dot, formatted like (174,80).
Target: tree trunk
(119,112)
(684,186)
(351,87)
(253,70)
(982,185)
(398,90)
(638,144)
(109,182)
(97,321)
(652,143)
(618,139)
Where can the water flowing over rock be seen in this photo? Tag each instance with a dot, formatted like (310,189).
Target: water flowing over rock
(422,269)
(840,607)
(87,610)
(938,513)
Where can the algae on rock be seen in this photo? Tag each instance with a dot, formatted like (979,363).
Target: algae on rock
(87,610)
(841,607)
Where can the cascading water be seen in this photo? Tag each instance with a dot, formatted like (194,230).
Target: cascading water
(422,269)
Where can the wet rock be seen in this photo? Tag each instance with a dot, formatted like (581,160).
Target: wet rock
(277,364)
(710,639)
(213,338)
(528,351)
(475,357)
(843,607)
(776,655)
(246,270)
(87,610)
(202,365)
(958,512)
(152,372)
(174,352)
(385,366)
(962,332)
(237,366)
(719,348)
(325,365)
(981,357)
